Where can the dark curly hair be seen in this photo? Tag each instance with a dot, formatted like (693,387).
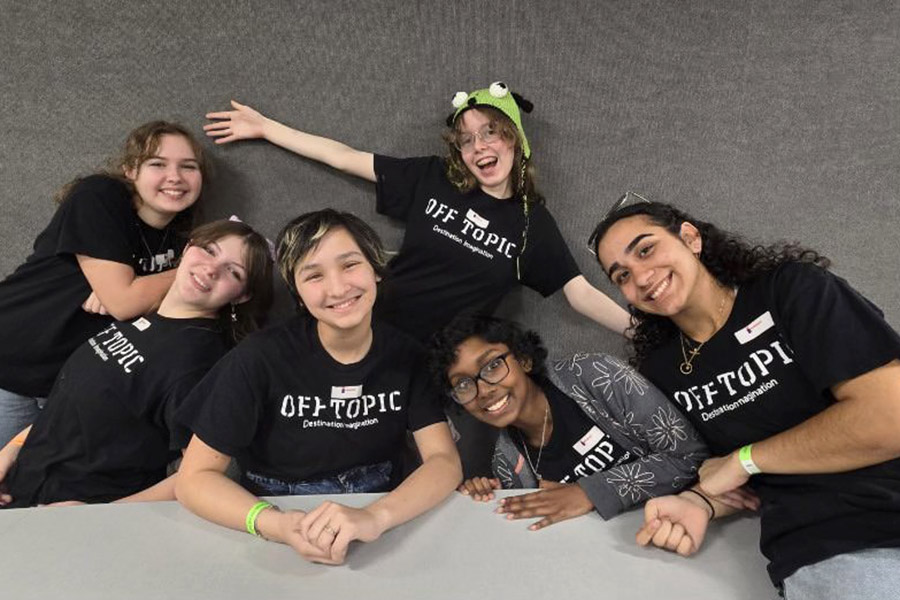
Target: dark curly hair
(730,259)
(524,344)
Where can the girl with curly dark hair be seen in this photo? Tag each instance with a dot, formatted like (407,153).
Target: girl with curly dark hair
(792,377)
(476,226)
(592,435)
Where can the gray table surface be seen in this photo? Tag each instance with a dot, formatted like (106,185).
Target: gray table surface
(160,550)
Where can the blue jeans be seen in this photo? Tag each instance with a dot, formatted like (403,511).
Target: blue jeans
(16,413)
(872,574)
(356,480)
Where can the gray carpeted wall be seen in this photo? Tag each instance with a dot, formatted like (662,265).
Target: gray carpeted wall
(777,119)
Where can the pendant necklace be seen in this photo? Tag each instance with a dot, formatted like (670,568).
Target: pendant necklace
(688,352)
(534,466)
(162,244)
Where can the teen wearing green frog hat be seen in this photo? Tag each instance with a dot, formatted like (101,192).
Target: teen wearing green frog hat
(476,226)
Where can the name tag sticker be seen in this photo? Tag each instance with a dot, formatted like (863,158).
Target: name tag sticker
(588,440)
(477,219)
(762,323)
(141,324)
(346,392)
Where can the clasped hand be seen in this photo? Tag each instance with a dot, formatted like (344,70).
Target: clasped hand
(323,535)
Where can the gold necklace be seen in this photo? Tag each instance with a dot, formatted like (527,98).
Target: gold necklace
(534,466)
(686,367)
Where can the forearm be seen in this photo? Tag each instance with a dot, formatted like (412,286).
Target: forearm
(10,453)
(122,294)
(595,305)
(213,496)
(164,490)
(424,489)
(330,152)
(721,509)
(142,296)
(614,491)
(848,435)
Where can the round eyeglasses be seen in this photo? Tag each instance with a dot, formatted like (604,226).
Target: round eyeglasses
(466,388)
(488,134)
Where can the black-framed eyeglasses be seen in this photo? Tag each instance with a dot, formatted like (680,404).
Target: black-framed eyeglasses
(466,388)
(628,199)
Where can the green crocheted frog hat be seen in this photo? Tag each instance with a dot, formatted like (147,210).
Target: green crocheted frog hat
(500,97)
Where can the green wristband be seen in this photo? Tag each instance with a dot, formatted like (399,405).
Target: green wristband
(250,521)
(747,460)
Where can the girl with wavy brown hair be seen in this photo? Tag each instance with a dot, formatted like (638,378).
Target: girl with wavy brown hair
(476,227)
(106,254)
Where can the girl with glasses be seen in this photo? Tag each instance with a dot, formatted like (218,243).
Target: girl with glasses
(592,433)
(319,405)
(108,430)
(107,254)
(476,226)
(790,375)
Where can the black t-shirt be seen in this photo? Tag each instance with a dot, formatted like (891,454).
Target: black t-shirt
(108,429)
(41,319)
(792,335)
(577,447)
(285,409)
(459,251)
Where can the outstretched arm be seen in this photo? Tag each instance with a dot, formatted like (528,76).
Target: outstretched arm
(244,123)
(596,305)
(861,429)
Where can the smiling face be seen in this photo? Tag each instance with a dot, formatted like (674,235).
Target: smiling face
(212,275)
(336,283)
(656,270)
(498,404)
(168,182)
(490,163)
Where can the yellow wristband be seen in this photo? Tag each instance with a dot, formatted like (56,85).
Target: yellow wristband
(747,460)
(19,440)
(253,514)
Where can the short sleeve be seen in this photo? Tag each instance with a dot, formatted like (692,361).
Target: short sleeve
(97,220)
(179,434)
(396,182)
(223,409)
(548,264)
(835,333)
(424,400)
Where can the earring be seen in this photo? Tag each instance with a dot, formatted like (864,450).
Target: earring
(233,314)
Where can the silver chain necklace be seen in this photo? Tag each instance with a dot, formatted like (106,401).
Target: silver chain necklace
(534,466)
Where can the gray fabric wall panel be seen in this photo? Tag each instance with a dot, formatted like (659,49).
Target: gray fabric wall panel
(778,119)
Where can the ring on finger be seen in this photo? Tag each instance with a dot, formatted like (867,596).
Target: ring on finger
(330,530)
